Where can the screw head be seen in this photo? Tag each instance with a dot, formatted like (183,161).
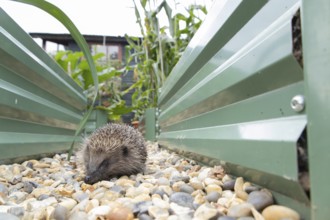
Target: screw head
(298,103)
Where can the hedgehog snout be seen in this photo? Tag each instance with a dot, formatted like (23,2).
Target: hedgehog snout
(93,178)
(87,179)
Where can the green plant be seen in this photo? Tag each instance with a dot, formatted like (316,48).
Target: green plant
(109,87)
(159,50)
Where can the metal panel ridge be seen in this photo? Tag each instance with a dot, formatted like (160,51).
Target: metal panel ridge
(15,52)
(275,137)
(248,64)
(205,43)
(40,105)
(20,35)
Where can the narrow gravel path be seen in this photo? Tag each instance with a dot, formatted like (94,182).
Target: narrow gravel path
(171,188)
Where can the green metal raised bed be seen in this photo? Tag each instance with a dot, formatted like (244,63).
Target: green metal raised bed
(250,94)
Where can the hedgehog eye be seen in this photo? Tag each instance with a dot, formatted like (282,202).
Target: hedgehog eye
(104,163)
(125,151)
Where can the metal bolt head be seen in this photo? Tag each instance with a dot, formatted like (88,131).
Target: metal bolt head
(298,103)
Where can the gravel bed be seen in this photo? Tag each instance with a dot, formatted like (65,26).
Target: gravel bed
(172,188)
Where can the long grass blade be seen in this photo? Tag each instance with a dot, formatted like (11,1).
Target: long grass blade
(81,42)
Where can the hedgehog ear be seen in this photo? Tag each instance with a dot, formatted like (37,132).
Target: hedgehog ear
(125,151)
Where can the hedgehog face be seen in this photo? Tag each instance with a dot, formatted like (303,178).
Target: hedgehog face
(112,151)
(103,166)
(97,167)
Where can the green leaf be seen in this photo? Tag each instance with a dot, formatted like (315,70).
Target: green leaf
(171,20)
(81,42)
(143,3)
(181,17)
(59,55)
(98,56)
(106,76)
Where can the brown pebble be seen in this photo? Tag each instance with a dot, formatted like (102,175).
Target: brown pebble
(218,172)
(242,195)
(85,187)
(239,184)
(278,212)
(120,213)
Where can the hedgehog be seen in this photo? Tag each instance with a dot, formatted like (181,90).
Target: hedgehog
(113,150)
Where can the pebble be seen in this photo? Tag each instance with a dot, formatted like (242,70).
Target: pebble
(78,216)
(206,211)
(250,189)
(158,212)
(213,188)
(226,218)
(61,213)
(2,200)
(229,185)
(142,207)
(16,210)
(196,183)
(181,211)
(118,189)
(91,204)
(35,205)
(179,177)
(145,217)
(183,199)
(160,203)
(176,186)
(99,212)
(186,188)
(209,181)
(167,189)
(17,197)
(240,210)
(8,216)
(158,191)
(260,199)
(41,191)
(163,181)
(172,188)
(277,212)
(68,203)
(3,189)
(119,212)
(80,196)
(213,196)
(199,199)
(28,187)
(204,173)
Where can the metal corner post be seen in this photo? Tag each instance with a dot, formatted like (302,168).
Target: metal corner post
(316,52)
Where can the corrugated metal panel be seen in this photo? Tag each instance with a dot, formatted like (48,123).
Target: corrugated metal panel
(229,96)
(40,105)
